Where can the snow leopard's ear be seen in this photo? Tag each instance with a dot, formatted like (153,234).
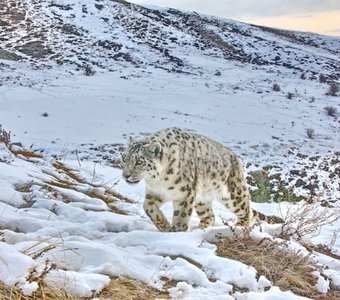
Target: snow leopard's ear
(153,149)
(130,141)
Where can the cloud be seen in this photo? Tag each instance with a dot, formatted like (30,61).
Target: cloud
(250,8)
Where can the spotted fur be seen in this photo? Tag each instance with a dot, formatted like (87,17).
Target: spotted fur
(191,171)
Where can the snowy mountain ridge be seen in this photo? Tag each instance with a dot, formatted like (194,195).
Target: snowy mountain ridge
(104,33)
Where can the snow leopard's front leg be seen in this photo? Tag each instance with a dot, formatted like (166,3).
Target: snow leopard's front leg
(152,205)
(182,213)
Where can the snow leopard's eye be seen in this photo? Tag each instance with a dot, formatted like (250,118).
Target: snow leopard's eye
(123,158)
(139,162)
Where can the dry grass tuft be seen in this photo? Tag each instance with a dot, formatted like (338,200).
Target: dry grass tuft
(109,196)
(59,166)
(107,199)
(130,289)
(43,292)
(5,138)
(24,188)
(26,153)
(119,288)
(291,271)
(118,196)
(307,220)
(321,248)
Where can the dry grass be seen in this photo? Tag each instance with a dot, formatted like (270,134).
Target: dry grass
(307,220)
(26,153)
(67,179)
(119,288)
(291,271)
(43,292)
(130,289)
(5,138)
(52,185)
(59,166)
(109,196)
(24,188)
(117,195)
(321,248)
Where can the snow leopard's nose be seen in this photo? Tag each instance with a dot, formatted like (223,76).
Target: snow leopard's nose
(126,175)
(129,178)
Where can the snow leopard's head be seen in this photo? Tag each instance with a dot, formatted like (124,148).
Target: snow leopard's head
(141,160)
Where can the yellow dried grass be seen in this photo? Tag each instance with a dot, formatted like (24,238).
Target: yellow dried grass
(5,138)
(43,292)
(130,289)
(307,219)
(119,288)
(26,153)
(289,270)
(68,171)
(109,196)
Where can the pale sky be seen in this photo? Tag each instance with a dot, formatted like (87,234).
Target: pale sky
(320,16)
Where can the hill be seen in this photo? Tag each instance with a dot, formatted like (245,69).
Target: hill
(103,33)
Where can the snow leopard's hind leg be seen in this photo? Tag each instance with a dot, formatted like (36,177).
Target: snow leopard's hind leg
(205,213)
(239,201)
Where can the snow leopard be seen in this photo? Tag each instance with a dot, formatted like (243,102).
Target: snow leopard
(191,171)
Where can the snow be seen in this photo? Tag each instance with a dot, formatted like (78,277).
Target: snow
(80,285)
(15,267)
(87,246)
(188,292)
(90,243)
(51,224)
(322,284)
(273,294)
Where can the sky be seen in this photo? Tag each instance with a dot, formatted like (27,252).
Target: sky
(320,16)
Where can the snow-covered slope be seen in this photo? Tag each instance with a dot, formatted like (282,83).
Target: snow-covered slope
(154,68)
(69,225)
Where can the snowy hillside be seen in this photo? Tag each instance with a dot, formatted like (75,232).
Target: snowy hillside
(104,34)
(77,78)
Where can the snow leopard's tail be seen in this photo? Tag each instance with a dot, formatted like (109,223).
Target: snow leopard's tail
(260,217)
